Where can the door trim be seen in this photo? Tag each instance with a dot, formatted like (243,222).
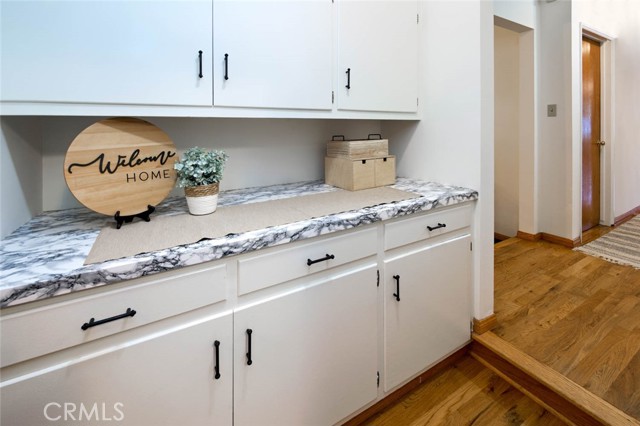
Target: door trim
(606,120)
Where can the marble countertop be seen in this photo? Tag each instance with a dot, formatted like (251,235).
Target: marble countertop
(45,257)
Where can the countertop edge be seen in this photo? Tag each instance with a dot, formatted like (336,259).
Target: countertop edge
(146,264)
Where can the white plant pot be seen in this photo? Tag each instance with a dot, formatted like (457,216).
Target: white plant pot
(202,200)
(199,206)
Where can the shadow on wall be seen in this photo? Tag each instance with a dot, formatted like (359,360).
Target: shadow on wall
(400,135)
(20,172)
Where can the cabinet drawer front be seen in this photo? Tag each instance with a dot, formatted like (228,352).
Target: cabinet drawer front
(51,328)
(385,169)
(281,265)
(407,231)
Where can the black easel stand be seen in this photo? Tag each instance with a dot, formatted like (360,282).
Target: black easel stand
(127,219)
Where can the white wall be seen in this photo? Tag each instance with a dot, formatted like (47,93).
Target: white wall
(559,79)
(507,130)
(528,143)
(261,151)
(621,20)
(454,141)
(554,133)
(521,16)
(20,172)
(522,12)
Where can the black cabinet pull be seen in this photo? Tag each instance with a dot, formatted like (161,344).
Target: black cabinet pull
(226,66)
(348,86)
(249,360)
(335,137)
(326,257)
(369,137)
(200,63)
(397,293)
(216,344)
(92,322)
(440,225)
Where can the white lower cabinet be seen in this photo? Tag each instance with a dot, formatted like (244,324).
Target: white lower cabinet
(427,307)
(167,378)
(308,357)
(295,348)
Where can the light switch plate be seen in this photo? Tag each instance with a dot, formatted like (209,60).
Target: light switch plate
(552,110)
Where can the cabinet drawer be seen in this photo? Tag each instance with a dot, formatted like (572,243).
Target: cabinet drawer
(407,231)
(281,265)
(54,327)
(385,170)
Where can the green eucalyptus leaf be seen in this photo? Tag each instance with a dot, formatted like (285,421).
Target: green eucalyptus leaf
(200,167)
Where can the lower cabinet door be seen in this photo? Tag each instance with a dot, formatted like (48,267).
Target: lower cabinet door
(432,316)
(163,379)
(308,357)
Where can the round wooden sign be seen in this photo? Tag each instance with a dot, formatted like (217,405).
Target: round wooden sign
(120,165)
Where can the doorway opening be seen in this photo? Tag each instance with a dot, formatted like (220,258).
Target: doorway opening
(514,144)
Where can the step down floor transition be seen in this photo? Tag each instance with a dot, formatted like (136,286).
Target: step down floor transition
(561,396)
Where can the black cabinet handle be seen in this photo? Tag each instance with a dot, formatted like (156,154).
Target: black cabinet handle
(216,344)
(348,86)
(370,137)
(326,257)
(249,360)
(200,63)
(397,293)
(92,322)
(440,225)
(226,66)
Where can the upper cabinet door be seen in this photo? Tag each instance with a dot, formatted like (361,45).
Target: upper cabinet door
(272,54)
(378,55)
(109,52)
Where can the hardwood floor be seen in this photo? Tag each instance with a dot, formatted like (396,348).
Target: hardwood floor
(575,313)
(466,394)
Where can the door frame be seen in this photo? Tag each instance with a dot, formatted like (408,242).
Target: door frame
(606,128)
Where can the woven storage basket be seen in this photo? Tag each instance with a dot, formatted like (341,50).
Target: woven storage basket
(202,190)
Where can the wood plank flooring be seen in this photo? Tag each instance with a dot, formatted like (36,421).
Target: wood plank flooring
(575,313)
(466,394)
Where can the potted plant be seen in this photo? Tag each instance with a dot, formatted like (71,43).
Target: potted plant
(199,172)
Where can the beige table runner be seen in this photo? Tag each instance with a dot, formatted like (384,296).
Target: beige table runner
(170,231)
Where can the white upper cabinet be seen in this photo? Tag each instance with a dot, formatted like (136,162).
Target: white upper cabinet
(377,55)
(107,52)
(273,54)
(210,58)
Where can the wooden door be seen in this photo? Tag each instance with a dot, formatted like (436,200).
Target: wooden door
(313,353)
(432,317)
(591,144)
